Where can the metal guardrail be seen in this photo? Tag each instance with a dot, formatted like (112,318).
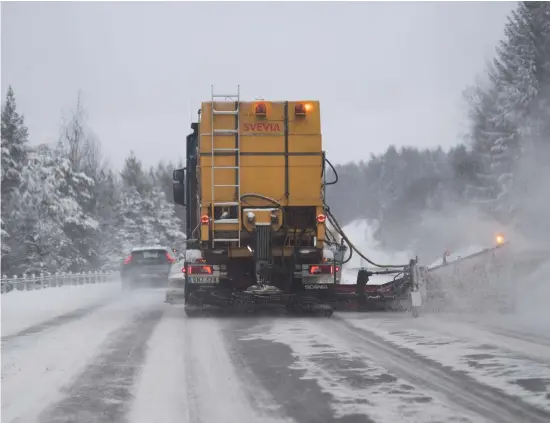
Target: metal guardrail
(52,280)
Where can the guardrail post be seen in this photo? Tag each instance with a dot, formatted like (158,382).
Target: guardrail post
(32,282)
(41,280)
(4,283)
(90,277)
(15,284)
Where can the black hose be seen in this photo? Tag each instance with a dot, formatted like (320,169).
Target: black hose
(335,173)
(262,197)
(339,230)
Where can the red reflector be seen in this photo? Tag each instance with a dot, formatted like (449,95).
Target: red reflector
(321,218)
(321,269)
(337,268)
(261,109)
(183,270)
(199,270)
(205,219)
(128,259)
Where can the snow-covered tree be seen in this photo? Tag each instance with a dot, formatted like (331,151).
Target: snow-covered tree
(14,155)
(14,143)
(145,214)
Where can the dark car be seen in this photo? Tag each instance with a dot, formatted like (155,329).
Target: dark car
(147,266)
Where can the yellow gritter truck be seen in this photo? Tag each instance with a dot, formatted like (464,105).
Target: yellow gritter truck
(254,189)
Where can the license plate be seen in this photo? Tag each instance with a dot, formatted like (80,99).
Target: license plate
(315,286)
(202,279)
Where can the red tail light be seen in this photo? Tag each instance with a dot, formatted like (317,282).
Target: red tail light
(170,258)
(337,268)
(128,259)
(199,270)
(183,270)
(321,269)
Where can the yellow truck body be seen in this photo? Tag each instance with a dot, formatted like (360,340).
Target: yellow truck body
(279,156)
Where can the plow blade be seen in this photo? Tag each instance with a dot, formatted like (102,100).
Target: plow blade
(478,282)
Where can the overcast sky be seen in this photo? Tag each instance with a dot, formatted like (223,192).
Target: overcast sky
(385,73)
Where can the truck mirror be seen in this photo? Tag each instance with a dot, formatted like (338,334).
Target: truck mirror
(179,175)
(179,193)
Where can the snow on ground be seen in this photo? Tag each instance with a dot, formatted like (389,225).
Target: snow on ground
(199,381)
(361,234)
(357,384)
(22,309)
(487,358)
(36,368)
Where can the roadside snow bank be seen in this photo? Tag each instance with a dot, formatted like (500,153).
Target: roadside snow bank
(22,309)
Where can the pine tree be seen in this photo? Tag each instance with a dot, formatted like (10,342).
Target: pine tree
(14,142)
(14,155)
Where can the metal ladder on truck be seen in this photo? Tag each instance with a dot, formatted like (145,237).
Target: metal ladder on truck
(237,185)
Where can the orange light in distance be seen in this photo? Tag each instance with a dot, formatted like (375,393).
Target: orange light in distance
(308,107)
(500,239)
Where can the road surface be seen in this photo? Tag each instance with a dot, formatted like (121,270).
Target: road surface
(132,358)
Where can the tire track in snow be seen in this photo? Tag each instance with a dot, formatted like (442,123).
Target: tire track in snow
(522,336)
(55,322)
(484,400)
(339,383)
(103,391)
(270,363)
(216,385)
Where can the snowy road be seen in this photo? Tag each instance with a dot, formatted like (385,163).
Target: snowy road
(132,358)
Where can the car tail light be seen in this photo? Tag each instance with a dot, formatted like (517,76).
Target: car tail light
(321,269)
(183,270)
(199,270)
(128,259)
(170,258)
